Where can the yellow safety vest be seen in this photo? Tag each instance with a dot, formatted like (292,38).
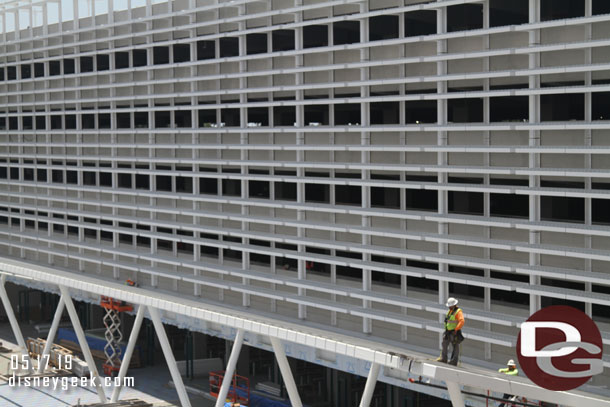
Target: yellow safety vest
(513,372)
(450,321)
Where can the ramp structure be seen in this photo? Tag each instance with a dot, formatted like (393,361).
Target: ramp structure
(413,365)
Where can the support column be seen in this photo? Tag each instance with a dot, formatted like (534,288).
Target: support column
(131,345)
(369,387)
(456,394)
(230,370)
(169,357)
(82,340)
(51,336)
(282,360)
(14,324)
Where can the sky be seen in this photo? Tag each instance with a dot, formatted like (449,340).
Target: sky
(67,11)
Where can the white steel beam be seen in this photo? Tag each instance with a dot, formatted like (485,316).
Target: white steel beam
(457,400)
(13,321)
(169,357)
(82,340)
(44,358)
(228,377)
(412,362)
(282,361)
(131,345)
(369,387)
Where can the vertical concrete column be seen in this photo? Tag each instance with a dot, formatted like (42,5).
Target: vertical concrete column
(300,140)
(365,158)
(588,142)
(443,206)
(486,178)
(534,141)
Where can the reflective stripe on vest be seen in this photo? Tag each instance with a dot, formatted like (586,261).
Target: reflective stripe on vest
(450,321)
(513,372)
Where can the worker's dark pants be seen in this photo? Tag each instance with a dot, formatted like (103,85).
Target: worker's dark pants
(449,337)
(506,397)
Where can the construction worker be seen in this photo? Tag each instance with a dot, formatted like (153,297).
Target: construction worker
(454,321)
(511,370)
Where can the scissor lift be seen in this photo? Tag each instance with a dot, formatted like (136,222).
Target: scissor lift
(113,334)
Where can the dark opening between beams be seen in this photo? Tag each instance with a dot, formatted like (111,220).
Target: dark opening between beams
(164,183)
(206,50)
(103,62)
(562,107)
(40,123)
(121,60)
(601,105)
(470,203)
(509,108)
(70,120)
(346,32)
(420,22)
(86,64)
(160,55)
(383,197)
(384,113)
(600,212)
(383,27)
(139,57)
(11,73)
(104,120)
(348,195)
(231,187)
(420,111)
(284,115)
(182,53)
(69,66)
(256,43)
(54,68)
(562,209)
(142,181)
(208,186)
(229,47)
(258,115)
(317,193)
(206,117)
(508,12)
(38,69)
(140,120)
(230,117)
(26,71)
(348,113)
(465,110)
(316,114)
(509,205)
(560,9)
(285,191)
(464,17)
(123,120)
(315,36)
(282,40)
(162,119)
(601,7)
(182,118)
(56,122)
(258,189)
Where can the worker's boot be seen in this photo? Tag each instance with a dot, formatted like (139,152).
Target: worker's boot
(440,359)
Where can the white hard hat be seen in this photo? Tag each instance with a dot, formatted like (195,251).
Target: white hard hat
(451,302)
(511,363)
